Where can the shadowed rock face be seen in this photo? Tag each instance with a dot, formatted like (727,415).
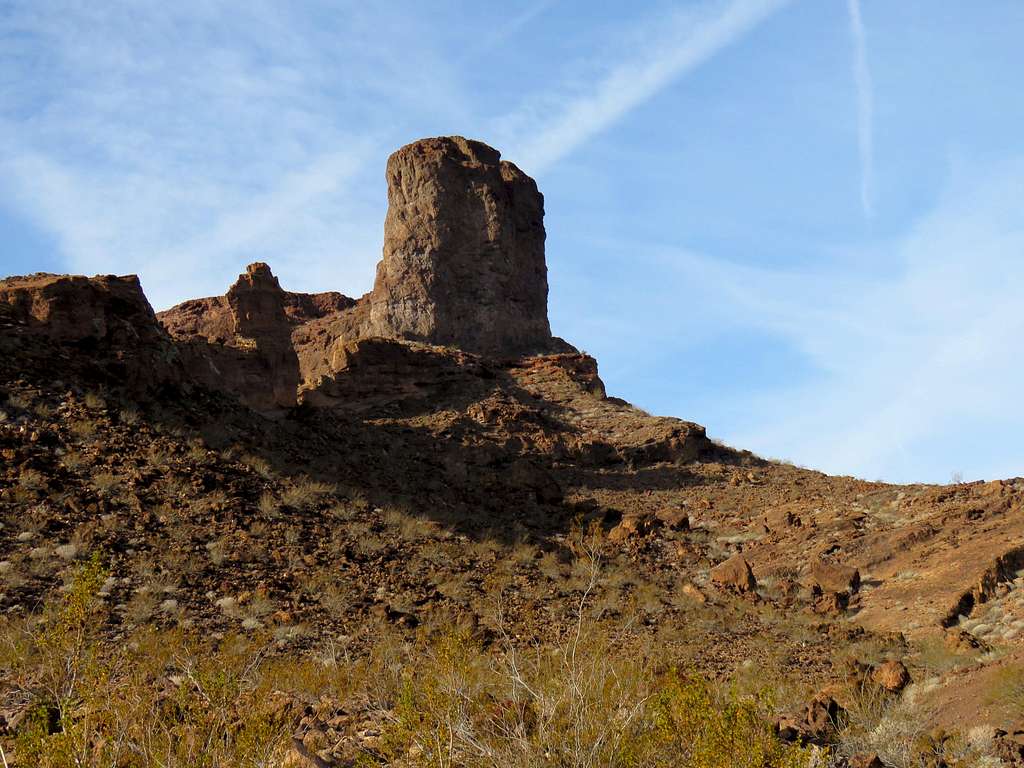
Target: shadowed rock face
(70,308)
(463,258)
(260,323)
(105,322)
(242,342)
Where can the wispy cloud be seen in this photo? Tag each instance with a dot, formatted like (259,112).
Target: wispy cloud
(865,107)
(671,48)
(181,141)
(906,367)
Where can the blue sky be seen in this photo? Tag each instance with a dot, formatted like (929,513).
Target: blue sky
(797,222)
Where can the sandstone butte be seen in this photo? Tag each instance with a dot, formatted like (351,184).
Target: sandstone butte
(444,392)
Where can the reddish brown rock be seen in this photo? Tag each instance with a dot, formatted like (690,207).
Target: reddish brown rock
(830,603)
(694,593)
(241,343)
(633,526)
(734,574)
(258,314)
(463,267)
(959,641)
(463,258)
(71,308)
(106,318)
(674,518)
(891,676)
(1009,746)
(816,723)
(778,520)
(830,577)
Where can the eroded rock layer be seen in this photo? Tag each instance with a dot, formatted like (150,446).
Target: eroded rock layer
(463,258)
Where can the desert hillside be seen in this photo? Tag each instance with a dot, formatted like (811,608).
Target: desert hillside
(412,528)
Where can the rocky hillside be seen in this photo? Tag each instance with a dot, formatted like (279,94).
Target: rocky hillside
(426,456)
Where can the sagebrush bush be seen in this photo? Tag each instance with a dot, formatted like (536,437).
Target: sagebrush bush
(449,701)
(577,705)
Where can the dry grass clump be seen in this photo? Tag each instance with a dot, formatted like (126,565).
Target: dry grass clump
(1008,688)
(32,480)
(106,482)
(259,465)
(94,402)
(83,428)
(305,493)
(898,729)
(130,416)
(408,527)
(268,505)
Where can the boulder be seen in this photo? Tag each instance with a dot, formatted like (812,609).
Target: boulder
(960,641)
(674,518)
(816,723)
(781,519)
(633,526)
(830,603)
(891,676)
(830,577)
(694,593)
(734,574)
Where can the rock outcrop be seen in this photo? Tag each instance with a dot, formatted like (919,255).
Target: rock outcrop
(463,267)
(463,258)
(73,309)
(241,342)
(104,322)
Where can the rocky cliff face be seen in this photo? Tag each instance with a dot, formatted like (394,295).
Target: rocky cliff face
(463,258)
(463,267)
(241,342)
(104,322)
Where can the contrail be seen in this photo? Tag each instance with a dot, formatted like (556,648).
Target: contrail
(634,81)
(865,107)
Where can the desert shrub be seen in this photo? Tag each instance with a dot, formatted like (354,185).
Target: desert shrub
(259,465)
(408,527)
(578,704)
(94,704)
(172,700)
(900,730)
(83,428)
(32,480)
(268,505)
(130,416)
(305,493)
(94,402)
